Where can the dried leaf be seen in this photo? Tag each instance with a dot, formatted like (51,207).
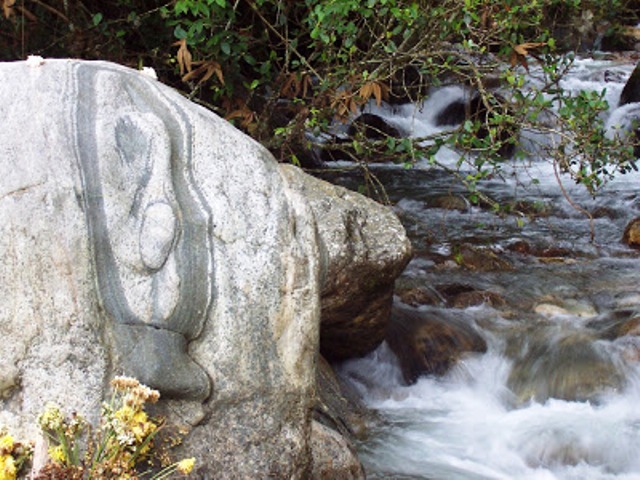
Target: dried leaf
(523,48)
(520,52)
(183,56)
(7,8)
(290,87)
(307,84)
(344,103)
(295,85)
(378,90)
(521,59)
(366,90)
(246,116)
(205,71)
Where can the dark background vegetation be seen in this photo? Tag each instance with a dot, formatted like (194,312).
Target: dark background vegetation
(282,69)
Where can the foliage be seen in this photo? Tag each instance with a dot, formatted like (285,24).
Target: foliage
(289,73)
(123,441)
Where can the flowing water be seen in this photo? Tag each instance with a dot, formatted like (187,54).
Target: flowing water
(557,393)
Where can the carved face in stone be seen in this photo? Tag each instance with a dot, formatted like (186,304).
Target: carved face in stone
(148,232)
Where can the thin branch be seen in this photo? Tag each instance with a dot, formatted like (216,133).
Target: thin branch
(565,194)
(268,24)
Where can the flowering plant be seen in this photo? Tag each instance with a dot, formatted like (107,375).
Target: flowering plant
(12,456)
(115,450)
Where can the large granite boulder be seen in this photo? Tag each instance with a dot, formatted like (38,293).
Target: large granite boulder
(143,235)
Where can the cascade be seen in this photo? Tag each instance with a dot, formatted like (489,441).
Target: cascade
(555,394)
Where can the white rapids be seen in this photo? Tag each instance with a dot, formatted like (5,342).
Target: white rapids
(468,425)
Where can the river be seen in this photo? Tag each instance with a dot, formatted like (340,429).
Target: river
(557,393)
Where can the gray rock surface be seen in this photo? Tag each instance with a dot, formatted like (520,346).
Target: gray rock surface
(143,235)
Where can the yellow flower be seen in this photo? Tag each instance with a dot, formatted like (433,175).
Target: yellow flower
(8,468)
(141,427)
(135,422)
(57,454)
(185,466)
(6,444)
(52,417)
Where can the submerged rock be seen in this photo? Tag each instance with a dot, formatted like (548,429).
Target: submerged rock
(426,344)
(616,324)
(480,259)
(569,367)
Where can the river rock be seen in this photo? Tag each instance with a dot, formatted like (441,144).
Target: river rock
(338,406)
(480,259)
(333,457)
(408,85)
(568,366)
(143,235)
(478,297)
(616,324)
(473,108)
(363,249)
(372,127)
(450,202)
(416,296)
(631,91)
(365,127)
(631,235)
(428,344)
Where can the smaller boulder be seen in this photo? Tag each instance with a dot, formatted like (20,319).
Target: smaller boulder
(453,114)
(332,456)
(450,202)
(367,126)
(478,297)
(417,296)
(427,343)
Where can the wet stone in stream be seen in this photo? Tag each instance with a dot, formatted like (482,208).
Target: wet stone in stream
(569,367)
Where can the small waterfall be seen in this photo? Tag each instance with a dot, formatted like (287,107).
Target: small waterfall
(556,394)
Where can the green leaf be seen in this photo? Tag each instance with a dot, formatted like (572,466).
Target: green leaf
(97,18)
